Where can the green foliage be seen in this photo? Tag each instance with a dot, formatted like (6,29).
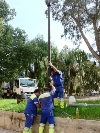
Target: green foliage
(5,12)
(13,57)
(39,49)
(1,92)
(79,19)
(15,54)
(11,105)
(1,26)
(89,112)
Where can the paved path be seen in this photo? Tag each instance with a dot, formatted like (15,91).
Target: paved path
(7,131)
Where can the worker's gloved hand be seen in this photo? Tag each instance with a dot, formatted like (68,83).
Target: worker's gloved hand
(50,64)
(51,83)
(50,80)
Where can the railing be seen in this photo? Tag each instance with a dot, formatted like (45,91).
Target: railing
(81,104)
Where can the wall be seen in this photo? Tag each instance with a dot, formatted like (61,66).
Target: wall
(15,121)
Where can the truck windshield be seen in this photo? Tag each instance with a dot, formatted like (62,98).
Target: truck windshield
(28,82)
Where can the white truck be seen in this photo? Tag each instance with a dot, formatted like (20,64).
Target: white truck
(25,85)
(20,86)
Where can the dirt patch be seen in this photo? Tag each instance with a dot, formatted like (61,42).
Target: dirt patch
(7,131)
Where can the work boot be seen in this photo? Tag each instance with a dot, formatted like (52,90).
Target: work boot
(30,130)
(41,128)
(56,102)
(62,104)
(26,130)
(51,129)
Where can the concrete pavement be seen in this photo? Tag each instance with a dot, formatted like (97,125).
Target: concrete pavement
(7,131)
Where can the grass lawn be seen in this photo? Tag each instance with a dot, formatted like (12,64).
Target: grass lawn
(85,112)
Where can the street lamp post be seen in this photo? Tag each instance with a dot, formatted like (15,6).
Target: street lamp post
(48,3)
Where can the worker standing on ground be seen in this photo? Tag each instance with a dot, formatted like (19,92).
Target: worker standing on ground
(47,108)
(58,83)
(31,111)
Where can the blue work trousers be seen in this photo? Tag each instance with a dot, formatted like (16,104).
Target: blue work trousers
(29,120)
(59,92)
(47,115)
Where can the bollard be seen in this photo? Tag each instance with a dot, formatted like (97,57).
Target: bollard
(77,113)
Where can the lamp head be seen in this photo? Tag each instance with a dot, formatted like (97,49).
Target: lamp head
(49,2)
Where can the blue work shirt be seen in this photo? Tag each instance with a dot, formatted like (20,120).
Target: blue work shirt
(31,105)
(58,79)
(46,101)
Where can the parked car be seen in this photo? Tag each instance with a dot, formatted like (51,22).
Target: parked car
(93,92)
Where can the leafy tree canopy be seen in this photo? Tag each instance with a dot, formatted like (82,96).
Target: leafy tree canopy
(5,12)
(79,19)
(39,48)
(15,53)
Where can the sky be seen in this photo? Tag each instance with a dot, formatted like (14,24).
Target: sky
(31,17)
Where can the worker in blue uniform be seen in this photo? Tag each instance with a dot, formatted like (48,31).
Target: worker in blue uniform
(58,83)
(47,109)
(31,111)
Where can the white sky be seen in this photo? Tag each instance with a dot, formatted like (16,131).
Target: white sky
(31,18)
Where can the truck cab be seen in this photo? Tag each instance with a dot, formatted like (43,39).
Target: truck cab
(25,85)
